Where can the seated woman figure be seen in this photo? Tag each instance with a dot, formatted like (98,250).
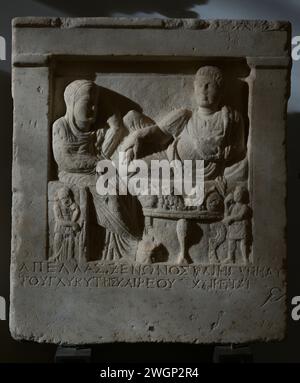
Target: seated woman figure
(77,147)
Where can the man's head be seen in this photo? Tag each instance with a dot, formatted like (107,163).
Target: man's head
(208,86)
(240,194)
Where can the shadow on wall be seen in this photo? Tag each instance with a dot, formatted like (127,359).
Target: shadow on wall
(109,7)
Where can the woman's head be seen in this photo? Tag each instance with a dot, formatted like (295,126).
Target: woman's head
(81,102)
(64,195)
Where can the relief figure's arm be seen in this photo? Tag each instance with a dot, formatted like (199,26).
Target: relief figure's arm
(113,136)
(76,213)
(228,201)
(59,218)
(144,134)
(241,215)
(235,150)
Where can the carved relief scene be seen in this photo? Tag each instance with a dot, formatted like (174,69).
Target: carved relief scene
(158,111)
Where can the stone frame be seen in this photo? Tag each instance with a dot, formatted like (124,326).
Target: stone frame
(256,313)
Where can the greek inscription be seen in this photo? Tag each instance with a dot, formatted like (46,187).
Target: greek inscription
(221,284)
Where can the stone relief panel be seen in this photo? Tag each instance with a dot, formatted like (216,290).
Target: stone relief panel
(86,226)
(176,267)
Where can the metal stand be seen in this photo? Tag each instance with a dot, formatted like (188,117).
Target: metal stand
(233,354)
(222,354)
(73,355)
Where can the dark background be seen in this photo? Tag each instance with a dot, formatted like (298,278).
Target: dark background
(286,351)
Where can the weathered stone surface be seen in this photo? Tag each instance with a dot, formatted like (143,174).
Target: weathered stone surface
(88,268)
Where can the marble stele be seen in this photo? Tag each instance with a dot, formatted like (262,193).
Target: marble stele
(89,268)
